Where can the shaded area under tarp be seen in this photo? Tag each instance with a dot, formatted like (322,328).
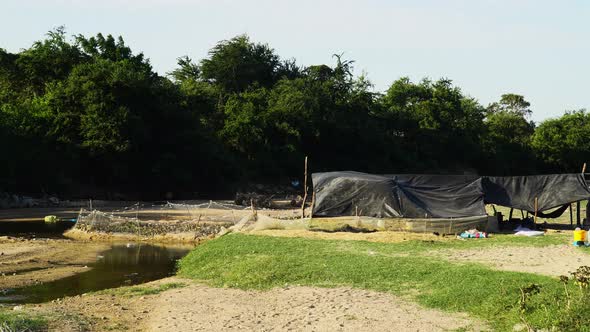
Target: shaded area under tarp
(439,196)
(519,192)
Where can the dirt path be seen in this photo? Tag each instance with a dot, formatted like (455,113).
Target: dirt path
(551,260)
(25,262)
(201,308)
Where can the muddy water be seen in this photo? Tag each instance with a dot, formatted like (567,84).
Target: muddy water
(123,264)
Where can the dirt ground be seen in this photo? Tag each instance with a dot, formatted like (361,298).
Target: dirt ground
(200,308)
(554,260)
(25,262)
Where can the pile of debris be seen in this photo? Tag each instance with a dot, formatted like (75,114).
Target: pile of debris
(269,196)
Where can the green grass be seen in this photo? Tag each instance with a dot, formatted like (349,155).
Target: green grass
(142,290)
(20,321)
(259,262)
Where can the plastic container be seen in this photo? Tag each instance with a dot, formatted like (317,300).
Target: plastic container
(579,235)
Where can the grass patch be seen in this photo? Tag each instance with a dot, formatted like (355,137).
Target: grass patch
(260,262)
(20,321)
(141,290)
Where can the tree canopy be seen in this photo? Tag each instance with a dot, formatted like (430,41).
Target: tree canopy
(90,116)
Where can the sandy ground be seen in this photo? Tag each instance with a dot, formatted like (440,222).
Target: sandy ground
(551,260)
(200,308)
(25,262)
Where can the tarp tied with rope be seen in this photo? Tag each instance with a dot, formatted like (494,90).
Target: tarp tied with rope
(440,196)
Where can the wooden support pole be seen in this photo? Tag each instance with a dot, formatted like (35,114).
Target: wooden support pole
(510,214)
(522,214)
(312,203)
(578,222)
(536,208)
(571,215)
(305,189)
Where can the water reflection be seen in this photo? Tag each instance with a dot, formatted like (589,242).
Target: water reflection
(121,265)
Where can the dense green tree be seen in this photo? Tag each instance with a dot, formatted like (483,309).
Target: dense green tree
(507,143)
(237,63)
(96,118)
(437,125)
(564,143)
(511,103)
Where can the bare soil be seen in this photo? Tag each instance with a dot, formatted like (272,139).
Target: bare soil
(26,262)
(553,260)
(200,308)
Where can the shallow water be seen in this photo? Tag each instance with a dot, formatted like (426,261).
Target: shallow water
(122,265)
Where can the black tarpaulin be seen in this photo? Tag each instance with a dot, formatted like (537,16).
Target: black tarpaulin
(352,193)
(439,196)
(409,196)
(551,190)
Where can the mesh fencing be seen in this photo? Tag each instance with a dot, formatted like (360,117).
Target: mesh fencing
(146,219)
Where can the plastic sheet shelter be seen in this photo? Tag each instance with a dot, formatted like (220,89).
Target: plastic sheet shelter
(551,190)
(391,196)
(439,196)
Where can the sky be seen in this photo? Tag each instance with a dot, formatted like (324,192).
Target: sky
(540,49)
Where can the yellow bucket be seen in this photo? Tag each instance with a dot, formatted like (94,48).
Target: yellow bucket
(579,235)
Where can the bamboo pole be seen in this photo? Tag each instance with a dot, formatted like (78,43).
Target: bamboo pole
(305,190)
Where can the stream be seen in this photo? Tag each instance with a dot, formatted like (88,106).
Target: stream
(124,264)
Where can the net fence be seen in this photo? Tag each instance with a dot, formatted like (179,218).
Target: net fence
(147,219)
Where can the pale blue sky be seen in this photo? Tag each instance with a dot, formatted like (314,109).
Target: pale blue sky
(540,49)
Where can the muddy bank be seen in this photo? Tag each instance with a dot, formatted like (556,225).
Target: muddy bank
(166,238)
(25,262)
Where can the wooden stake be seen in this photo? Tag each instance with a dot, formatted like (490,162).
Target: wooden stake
(536,208)
(578,213)
(252,207)
(312,203)
(304,188)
